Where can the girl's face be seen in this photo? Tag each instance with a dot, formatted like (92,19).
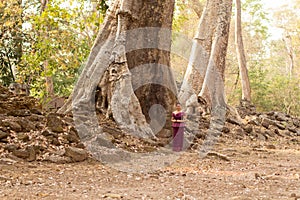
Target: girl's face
(178,106)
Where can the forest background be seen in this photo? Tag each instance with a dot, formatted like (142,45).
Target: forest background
(46,48)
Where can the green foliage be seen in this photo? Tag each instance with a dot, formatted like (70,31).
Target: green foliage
(284,81)
(185,19)
(271,91)
(180,17)
(255,34)
(102,6)
(185,23)
(255,18)
(285,95)
(260,88)
(11,39)
(60,41)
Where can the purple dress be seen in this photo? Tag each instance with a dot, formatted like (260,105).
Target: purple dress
(178,131)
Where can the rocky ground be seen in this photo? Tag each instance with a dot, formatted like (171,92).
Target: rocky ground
(42,157)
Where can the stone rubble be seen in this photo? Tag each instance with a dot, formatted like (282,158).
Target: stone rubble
(28,133)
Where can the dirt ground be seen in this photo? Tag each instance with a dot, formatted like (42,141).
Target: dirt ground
(246,170)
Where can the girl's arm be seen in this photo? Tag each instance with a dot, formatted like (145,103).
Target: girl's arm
(183,118)
(172,119)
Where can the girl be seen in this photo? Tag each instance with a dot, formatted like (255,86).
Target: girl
(178,119)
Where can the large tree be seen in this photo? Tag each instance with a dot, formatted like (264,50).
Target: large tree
(205,71)
(128,69)
(215,73)
(194,75)
(246,92)
(130,61)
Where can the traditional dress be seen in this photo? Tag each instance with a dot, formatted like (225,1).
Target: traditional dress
(178,131)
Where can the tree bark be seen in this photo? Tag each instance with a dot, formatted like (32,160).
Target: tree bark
(199,57)
(134,34)
(49,81)
(214,77)
(196,6)
(158,14)
(291,54)
(43,5)
(49,86)
(246,90)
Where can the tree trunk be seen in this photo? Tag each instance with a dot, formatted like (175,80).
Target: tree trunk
(291,54)
(246,92)
(152,62)
(196,6)
(49,81)
(43,5)
(124,67)
(214,77)
(199,57)
(49,86)
(18,42)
